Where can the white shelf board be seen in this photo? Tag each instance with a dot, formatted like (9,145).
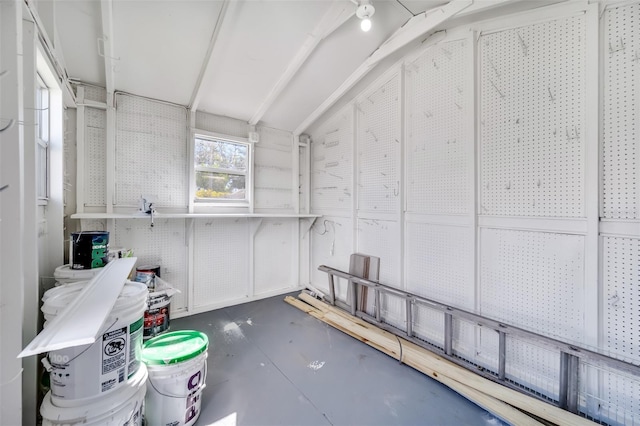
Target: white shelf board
(188,215)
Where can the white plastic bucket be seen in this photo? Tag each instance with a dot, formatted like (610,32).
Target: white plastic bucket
(80,374)
(64,274)
(123,408)
(177,365)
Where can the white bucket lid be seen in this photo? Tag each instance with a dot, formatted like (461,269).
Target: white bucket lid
(56,299)
(99,409)
(64,274)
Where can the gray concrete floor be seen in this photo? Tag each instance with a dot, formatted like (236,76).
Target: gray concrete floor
(271,364)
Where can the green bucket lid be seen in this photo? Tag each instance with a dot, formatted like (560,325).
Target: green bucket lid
(174,347)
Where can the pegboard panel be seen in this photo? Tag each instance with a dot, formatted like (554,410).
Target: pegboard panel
(94,93)
(621,282)
(439,263)
(439,154)
(615,402)
(95,154)
(428,325)
(331,245)
(303,178)
(528,365)
(273,180)
(151,152)
(621,125)
(534,280)
(532,119)
(274,255)
(95,225)
(332,163)
(381,238)
(378,132)
(220,261)
(275,138)
(220,124)
(163,245)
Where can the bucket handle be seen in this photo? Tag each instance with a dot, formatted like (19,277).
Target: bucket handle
(202,385)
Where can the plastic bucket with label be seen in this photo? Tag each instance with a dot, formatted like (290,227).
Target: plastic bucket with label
(124,408)
(177,364)
(80,374)
(64,274)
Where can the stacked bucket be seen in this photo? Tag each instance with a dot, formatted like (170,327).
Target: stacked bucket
(104,382)
(111,381)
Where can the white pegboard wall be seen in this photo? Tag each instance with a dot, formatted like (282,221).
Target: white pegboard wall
(222,125)
(621,109)
(274,254)
(331,245)
(273,180)
(221,261)
(303,179)
(532,366)
(95,93)
(621,283)
(151,152)
(615,402)
(534,280)
(532,119)
(378,129)
(163,245)
(275,138)
(439,263)
(95,154)
(381,238)
(439,154)
(332,163)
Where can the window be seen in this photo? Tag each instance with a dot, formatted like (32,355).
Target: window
(42,141)
(222,170)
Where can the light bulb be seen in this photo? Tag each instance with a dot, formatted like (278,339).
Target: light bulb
(365,24)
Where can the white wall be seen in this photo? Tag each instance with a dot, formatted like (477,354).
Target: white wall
(472,168)
(214,262)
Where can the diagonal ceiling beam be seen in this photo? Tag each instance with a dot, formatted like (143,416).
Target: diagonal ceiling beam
(416,27)
(339,12)
(106,7)
(228,7)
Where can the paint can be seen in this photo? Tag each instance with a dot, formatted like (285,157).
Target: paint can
(177,364)
(147,274)
(118,408)
(80,374)
(158,316)
(65,274)
(89,249)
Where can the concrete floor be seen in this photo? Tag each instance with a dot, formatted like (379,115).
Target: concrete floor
(271,364)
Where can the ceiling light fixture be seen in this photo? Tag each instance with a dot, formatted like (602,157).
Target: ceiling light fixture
(365,11)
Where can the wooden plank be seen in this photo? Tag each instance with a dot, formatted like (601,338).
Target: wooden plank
(435,366)
(499,408)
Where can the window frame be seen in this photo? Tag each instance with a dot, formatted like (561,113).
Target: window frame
(208,204)
(43,118)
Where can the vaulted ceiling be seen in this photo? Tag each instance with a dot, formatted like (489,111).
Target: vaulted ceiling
(268,61)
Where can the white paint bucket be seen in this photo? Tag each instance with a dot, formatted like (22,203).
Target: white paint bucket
(177,364)
(80,374)
(123,408)
(64,274)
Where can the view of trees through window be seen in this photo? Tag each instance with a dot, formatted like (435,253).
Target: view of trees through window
(221,169)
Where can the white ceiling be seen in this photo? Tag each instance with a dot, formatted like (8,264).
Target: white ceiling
(160,48)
